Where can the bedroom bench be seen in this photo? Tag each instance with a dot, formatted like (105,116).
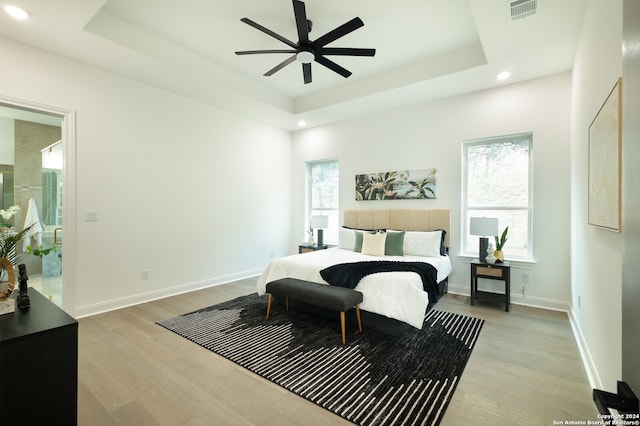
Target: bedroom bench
(321,295)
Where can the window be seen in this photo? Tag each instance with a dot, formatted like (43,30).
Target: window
(323,196)
(497,182)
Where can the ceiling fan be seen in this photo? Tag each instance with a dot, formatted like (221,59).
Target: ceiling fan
(305,50)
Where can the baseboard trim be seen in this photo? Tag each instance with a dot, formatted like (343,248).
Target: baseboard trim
(518,299)
(124,302)
(587,359)
(555,305)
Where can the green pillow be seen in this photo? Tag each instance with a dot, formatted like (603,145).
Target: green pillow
(358,245)
(394,243)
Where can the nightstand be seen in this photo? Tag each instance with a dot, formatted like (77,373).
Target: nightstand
(304,248)
(497,271)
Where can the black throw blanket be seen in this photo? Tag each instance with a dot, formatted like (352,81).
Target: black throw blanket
(349,274)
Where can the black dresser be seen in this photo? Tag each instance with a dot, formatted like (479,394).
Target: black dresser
(39,365)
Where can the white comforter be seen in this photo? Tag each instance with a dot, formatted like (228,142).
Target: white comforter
(404,300)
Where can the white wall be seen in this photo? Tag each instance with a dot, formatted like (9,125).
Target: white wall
(430,135)
(631,196)
(193,194)
(596,253)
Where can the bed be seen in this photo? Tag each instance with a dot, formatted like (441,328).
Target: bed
(394,301)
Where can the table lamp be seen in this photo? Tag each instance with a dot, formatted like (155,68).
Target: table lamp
(321,222)
(484,227)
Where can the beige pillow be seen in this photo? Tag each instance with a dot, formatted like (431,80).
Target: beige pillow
(373,244)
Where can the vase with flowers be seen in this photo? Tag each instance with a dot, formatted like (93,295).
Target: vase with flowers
(498,254)
(7,217)
(9,238)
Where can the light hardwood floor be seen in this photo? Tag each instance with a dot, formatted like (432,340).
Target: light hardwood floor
(524,370)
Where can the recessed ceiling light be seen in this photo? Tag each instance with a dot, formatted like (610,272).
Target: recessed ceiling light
(302,123)
(16,12)
(503,75)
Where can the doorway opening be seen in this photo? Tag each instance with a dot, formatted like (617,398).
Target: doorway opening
(34,144)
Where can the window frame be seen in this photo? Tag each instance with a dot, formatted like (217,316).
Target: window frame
(309,200)
(465,208)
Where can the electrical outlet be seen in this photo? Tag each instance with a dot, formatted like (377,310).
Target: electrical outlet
(579,297)
(145,275)
(525,277)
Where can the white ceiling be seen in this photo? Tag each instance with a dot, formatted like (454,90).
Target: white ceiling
(425,49)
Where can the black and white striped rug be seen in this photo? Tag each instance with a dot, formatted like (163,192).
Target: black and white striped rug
(374,379)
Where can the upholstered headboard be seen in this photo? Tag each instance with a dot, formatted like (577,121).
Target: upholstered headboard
(400,219)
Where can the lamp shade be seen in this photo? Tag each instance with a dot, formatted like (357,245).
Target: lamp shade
(321,222)
(484,226)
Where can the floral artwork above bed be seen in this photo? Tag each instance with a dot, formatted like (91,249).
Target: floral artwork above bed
(398,185)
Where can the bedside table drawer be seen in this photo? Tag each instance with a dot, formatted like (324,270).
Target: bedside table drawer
(490,272)
(303,248)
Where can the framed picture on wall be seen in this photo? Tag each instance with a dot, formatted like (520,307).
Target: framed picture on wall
(605,155)
(397,185)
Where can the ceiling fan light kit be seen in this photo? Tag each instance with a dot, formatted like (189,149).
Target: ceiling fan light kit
(307,51)
(305,56)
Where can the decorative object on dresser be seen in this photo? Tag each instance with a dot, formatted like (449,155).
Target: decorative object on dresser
(7,305)
(23,300)
(372,379)
(9,238)
(397,185)
(484,227)
(319,222)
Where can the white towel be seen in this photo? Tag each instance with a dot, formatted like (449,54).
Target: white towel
(35,232)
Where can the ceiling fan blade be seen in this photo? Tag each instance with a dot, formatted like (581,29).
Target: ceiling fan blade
(335,34)
(301,22)
(347,51)
(255,52)
(333,66)
(306,72)
(269,32)
(280,66)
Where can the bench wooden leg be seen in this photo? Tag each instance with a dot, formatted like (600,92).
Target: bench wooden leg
(344,340)
(286,304)
(358,317)
(269,305)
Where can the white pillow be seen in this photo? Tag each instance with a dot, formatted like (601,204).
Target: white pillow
(373,244)
(347,239)
(422,243)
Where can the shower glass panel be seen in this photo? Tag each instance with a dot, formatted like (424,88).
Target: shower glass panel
(52,161)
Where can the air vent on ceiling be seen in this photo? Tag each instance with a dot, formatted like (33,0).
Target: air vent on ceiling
(519,9)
